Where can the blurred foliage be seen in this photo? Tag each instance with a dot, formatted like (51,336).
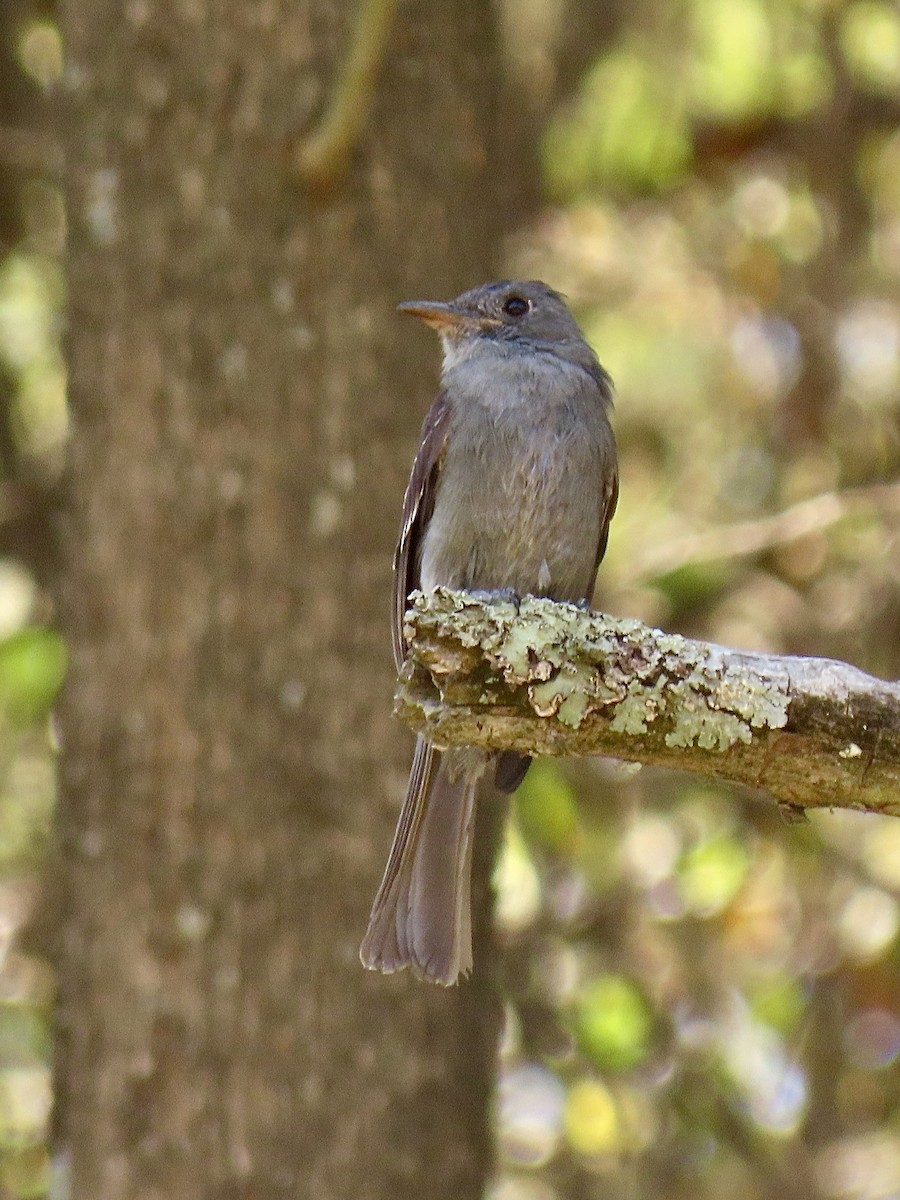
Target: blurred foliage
(33,429)
(32,668)
(699,999)
(703,1000)
(613,1023)
(30,303)
(546,808)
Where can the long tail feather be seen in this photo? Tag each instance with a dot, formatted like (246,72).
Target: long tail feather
(421,917)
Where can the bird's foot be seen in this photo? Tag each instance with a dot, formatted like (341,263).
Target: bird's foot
(497,595)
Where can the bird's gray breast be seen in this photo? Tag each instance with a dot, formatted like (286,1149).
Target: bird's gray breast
(518,502)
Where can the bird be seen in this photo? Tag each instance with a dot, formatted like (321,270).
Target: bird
(512,491)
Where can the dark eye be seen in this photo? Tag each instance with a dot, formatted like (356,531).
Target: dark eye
(515,306)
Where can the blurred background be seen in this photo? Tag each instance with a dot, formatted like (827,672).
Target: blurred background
(700,999)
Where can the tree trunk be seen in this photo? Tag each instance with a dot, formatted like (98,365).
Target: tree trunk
(245,407)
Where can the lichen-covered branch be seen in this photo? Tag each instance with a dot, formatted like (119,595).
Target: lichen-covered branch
(547,678)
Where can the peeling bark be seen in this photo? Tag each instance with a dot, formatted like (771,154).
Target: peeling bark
(556,679)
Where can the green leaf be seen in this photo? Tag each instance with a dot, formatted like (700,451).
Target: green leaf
(694,584)
(624,129)
(870,40)
(546,808)
(780,1003)
(24,1036)
(732,72)
(614,1024)
(592,1122)
(32,669)
(711,873)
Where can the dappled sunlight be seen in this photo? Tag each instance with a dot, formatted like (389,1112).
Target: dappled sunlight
(700,999)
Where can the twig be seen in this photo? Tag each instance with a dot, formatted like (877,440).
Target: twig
(751,537)
(322,157)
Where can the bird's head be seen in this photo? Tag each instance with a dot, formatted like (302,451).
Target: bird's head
(511,310)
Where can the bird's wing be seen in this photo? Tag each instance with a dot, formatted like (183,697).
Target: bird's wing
(418,504)
(608,501)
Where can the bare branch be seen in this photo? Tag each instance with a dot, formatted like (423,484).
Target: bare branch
(547,678)
(743,538)
(322,157)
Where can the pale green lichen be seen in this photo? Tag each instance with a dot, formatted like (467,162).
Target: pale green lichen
(565,696)
(754,699)
(640,707)
(697,724)
(573,709)
(574,663)
(526,641)
(670,643)
(708,706)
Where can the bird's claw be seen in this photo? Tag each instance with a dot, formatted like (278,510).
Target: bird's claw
(505,595)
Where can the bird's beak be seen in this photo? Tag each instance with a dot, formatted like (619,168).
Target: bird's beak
(444,316)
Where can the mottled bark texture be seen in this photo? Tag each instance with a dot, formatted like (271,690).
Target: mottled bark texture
(556,679)
(246,406)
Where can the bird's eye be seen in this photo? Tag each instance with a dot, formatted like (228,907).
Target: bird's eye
(515,306)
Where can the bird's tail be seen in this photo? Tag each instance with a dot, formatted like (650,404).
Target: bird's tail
(422,915)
